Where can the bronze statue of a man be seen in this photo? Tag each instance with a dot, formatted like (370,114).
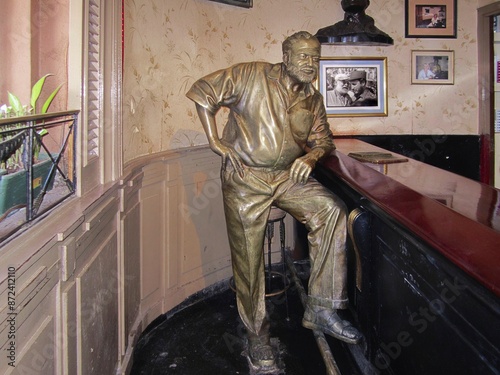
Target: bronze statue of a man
(276,132)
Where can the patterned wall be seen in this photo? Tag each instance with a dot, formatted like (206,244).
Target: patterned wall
(169,44)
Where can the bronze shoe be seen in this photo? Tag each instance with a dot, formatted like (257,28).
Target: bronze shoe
(260,351)
(329,322)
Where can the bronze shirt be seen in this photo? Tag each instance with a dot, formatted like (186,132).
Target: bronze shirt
(263,127)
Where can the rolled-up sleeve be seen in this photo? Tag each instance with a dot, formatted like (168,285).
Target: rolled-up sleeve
(217,89)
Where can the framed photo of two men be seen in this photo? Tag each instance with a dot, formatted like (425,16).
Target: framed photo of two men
(431,18)
(353,86)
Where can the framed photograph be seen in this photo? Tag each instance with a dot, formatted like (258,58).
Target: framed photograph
(431,18)
(432,67)
(353,86)
(239,3)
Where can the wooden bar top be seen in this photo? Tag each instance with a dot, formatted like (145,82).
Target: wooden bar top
(457,216)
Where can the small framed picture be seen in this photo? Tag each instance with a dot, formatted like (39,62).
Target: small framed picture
(431,18)
(239,3)
(353,86)
(432,67)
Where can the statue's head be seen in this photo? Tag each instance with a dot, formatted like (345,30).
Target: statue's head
(288,43)
(354,6)
(301,54)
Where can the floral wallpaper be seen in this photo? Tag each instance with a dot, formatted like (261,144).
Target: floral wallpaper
(169,44)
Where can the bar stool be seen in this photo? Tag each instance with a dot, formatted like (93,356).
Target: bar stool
(276,215)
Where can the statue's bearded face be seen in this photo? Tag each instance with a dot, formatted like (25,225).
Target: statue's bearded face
(302,61)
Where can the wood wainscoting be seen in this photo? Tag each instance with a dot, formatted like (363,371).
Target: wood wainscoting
(86,280)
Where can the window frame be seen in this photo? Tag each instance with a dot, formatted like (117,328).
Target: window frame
(107,165)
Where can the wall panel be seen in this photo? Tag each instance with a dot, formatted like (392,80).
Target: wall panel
(38,357)
(130,258)
(152,239)
(97,309)
(69,330)
(113,264)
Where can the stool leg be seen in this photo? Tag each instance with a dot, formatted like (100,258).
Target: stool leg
(270,235)
(283,262)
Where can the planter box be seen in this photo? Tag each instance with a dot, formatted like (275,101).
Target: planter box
(13,185)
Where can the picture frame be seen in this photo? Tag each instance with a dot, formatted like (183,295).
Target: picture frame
(432,67)
(353,98)
(431,18)
(238,3)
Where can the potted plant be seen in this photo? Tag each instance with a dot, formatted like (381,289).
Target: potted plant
(13,153)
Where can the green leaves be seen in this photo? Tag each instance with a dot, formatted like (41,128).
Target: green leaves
(15,104)
(47,103)
(36,91)
(16,107)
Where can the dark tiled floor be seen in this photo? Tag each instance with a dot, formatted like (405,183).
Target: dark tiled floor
(207,338)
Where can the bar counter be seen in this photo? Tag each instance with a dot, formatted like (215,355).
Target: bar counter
(457,216)
(423,262)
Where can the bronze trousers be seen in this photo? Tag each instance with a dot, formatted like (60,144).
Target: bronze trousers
(247,203)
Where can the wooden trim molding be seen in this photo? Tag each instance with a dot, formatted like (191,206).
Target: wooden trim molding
(486,88)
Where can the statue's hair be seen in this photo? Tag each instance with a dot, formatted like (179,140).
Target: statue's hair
(288,42)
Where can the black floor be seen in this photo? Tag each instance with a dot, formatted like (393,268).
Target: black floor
(207,337)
